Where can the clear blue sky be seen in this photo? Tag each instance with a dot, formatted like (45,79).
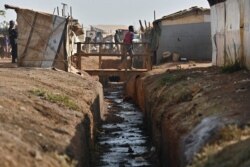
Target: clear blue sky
(92,12)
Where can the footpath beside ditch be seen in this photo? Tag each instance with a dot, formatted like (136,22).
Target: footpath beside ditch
(48,117)
(196,115)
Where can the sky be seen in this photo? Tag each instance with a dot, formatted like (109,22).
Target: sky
(117,12)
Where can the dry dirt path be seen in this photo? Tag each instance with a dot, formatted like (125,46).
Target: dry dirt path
(43,117)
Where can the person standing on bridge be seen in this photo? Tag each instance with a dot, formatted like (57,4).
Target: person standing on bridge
(128,46)
(117,41)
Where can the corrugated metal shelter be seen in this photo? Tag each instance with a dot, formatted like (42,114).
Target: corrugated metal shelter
(188,33)
(42,39)
(230,32)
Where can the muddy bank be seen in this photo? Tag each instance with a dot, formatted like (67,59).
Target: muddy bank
(47,117)
(196,114)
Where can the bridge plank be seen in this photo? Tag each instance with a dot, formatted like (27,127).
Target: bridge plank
(123,73)
(115,70)
(106,54)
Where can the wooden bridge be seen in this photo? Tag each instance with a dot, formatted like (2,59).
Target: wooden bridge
(103,49)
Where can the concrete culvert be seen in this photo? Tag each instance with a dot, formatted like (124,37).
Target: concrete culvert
(114,78)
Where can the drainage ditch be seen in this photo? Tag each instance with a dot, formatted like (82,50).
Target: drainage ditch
(123,140)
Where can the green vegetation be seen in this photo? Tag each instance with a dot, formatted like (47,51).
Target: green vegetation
(2,13)
(56,98)
(231,68)
(170,79)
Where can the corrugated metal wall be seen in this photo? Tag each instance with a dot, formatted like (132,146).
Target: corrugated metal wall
(218,32)
(230,32)
(192,41)
(245,5)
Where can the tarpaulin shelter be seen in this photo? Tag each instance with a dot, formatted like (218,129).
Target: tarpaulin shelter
(42,39)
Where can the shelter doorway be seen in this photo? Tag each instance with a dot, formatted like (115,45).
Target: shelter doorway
(5,49)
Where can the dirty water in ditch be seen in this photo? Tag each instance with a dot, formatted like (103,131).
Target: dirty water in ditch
(123,141)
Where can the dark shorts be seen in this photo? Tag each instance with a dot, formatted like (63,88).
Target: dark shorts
(128,49)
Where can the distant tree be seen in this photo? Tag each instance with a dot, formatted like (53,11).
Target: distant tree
(2,12)
(4,27)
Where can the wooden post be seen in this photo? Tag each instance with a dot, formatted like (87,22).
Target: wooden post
(154,15)
(100,57)
(78,47)
(144,61)
(149,62)
(145,56)
(79,61)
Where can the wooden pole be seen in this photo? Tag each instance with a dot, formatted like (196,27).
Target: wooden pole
(100,57)
(141,26)
(71,12)
(146,24)
(78,47)
(79,61)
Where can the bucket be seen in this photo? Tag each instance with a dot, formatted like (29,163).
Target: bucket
(176,57)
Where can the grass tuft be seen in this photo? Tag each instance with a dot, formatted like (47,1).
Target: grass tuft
(231,68)
(170,79)
(56,98)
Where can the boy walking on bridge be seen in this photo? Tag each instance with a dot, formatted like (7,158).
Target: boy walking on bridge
(128,47)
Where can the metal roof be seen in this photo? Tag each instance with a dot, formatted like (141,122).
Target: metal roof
(185,12)
(214,2)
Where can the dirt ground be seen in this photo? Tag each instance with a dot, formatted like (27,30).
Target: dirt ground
(45,117)
(198,115)
(196,112)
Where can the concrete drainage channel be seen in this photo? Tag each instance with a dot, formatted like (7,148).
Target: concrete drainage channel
(123,141)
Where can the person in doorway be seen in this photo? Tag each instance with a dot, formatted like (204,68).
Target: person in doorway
(6,47)
(117,41)
(13,40)
(128,46)
(154,41)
